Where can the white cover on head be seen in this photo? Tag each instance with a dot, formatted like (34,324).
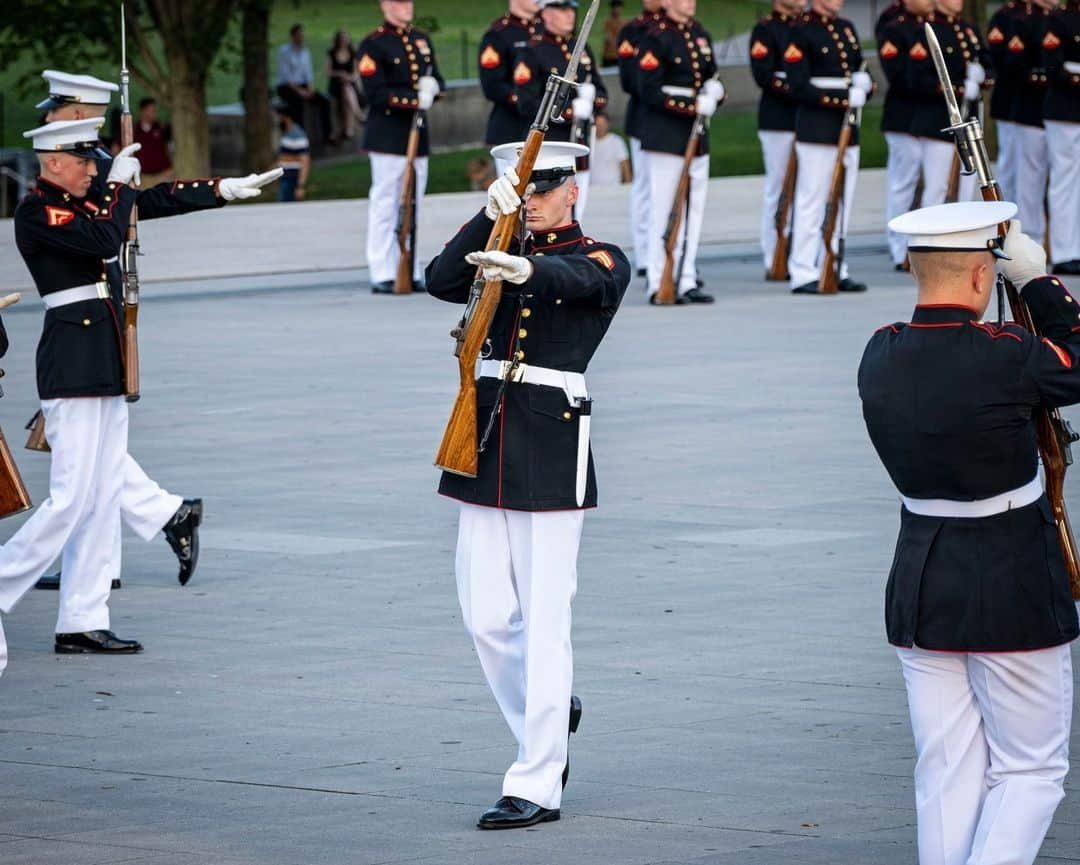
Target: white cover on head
(66,135)
(962,225)
(553,154)
(85,89)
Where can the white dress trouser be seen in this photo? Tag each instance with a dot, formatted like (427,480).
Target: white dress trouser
(937,162)
(901,178)
(387,173)
(664,172)
(582,178)
(816,163)
(80,520)
(775,150)
(1063,146)
(144,505)
(1029,152)
(516,578)
(1005,169)
(992,744)
(639,204)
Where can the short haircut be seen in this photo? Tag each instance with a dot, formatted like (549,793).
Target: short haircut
(149,100)
(296,28)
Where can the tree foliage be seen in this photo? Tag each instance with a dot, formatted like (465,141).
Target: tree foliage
(171,45)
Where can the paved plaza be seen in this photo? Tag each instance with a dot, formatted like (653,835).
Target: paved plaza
(311,696)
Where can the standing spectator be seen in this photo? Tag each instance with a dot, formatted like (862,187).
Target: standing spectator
(294,157)
(155,139)
(610,156)
(342,82)
(296,81)
(613,24)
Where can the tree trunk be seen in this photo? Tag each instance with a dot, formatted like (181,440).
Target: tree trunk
(191,129)
(258,146)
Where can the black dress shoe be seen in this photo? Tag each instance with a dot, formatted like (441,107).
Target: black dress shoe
(1067,268)
(575,720)
(902,267)
(696,295)
(182,533)
(51,583)
(510,812)
(806,288)
(95,642)
(382,287)
(850,285)
(641,271)
(419,285)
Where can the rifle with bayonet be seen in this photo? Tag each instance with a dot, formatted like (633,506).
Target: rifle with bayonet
(671,276)
(406,221)
(829,281)
(458,450)
(970,108)
(1054,435)
(778,270)
(129,258)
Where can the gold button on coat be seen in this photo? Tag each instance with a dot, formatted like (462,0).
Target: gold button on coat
(566,415)
(522,333)
(86,322)
(526,312)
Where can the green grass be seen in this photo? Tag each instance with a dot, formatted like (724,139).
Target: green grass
(456,30)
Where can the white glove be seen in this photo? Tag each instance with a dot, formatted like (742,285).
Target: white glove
(583,103)
(856,97)
(502,266)
(971,89)
(502,195)
(705,105)
(582,108)
(863,81)
(125,167)
(714,89)
(427,88)
(231,188)
(1027,258)
(976,73)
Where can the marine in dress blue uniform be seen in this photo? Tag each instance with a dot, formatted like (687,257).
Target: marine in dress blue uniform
(776,111)
(998,35)
(400,76)
(1061,119)
(497,58)
(627,51)
(822,64)
(675,72)
(978,603)
(521,516)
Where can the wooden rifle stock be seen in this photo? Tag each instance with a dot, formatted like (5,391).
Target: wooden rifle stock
(14,497)
(952,191)
(1053,435)
(829,281)
(406,224)
(36,441)
(778,270)
(131,245)
(457,452)
(666,291)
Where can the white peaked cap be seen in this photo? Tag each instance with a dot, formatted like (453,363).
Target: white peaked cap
(554,163)
(67,136)
(83,89)
(962,226)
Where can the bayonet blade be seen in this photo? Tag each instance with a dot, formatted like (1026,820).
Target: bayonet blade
(955,117)
(582,41)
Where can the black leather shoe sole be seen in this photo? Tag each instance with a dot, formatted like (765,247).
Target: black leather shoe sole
(575,721)
(382,288)
(51,583)
(542,816)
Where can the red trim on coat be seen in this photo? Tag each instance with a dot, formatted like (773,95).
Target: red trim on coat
(988,329)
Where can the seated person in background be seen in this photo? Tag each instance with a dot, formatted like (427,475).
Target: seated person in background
(296,81)
(293,157)
(610,156)
(154,154)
